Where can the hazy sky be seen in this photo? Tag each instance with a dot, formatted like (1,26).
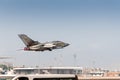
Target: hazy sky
(92,27)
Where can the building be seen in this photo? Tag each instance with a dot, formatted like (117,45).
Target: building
(49,70)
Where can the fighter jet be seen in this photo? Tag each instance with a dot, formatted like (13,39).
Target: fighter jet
(32,45)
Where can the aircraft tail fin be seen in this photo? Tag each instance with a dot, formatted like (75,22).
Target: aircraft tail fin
(27,41)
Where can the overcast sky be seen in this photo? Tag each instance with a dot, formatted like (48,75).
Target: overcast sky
(92,27)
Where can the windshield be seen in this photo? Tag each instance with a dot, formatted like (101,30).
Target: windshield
(5,78)
(54,79)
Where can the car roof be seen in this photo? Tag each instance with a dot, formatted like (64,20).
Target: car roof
(49,75)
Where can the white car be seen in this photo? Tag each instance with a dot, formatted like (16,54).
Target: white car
(46,77)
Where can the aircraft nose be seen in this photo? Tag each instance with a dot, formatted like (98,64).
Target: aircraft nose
(67,44)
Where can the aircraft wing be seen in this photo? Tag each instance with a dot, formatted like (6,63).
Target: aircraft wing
(5,57)
(48,45)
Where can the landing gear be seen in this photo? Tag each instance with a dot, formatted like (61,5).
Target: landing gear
(49,49)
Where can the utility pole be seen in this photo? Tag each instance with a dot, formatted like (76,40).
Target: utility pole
(75,57)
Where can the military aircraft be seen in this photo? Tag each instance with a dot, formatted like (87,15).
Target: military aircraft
(32,45)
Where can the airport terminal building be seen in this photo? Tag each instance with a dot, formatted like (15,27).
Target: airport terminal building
(49,70)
